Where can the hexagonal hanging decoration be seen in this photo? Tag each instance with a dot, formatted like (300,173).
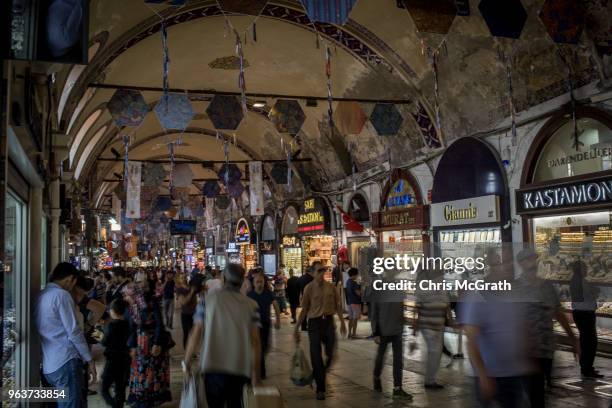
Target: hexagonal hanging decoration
(127,107)
(225,112)
(222,202)
(211,189)
(504,18)
(235,189)
(563,19)
(233,173)
(174,111)
(288,116)
(182,176)
(252,7)
(432,16)
(386,119)
(349,117)
(328,11)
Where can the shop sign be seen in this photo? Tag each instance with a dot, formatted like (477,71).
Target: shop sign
(582,193)
(401,195)
(291,242)
(312,219)
(406,218)
(243,232)
(478,210)
(592,154)
(232,248)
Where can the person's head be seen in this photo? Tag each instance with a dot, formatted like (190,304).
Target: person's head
(65,275)
(528,261)
(312,270)
(208,269)
(353,273)
(160,274)
(83,285)
(233,275)
(279,272)
(259,282)
(106,277)
(291,272)
(118,308)
(195,285)
(170,275)
(119,273)
(317,270)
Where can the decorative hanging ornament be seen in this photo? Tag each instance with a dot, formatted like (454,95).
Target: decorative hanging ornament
(288,116)
(289,174)
(434,67)
(126,148)
(328,11)
(127,108)
(241,81)
(166,58)
(330,99)
(225,112)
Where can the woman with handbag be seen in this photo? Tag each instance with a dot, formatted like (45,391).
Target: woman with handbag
(150,344)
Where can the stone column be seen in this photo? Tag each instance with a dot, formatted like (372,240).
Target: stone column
(35,281)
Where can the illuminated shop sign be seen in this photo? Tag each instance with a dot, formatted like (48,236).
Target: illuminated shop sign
(401,195)
(415,217)
(592,154)
(312,218)
(291,241)
(243,233)
(582,193)
(477,210)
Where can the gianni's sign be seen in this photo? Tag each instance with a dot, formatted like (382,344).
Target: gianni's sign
(581,193)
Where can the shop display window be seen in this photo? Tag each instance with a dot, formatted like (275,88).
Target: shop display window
(292,259)
(319,248)
(563,239)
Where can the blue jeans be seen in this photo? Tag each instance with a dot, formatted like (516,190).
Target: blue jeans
(69,377)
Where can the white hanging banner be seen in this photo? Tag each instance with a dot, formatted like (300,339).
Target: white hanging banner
(132,206)
(256,188)
(210,212)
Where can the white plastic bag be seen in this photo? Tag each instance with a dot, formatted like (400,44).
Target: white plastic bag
(301,373)
(193,395)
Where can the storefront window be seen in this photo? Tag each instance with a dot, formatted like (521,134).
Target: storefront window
(564,239)
(14,282)
(561,157)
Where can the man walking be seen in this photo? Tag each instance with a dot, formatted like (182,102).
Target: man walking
(226,332)
(64,348)
(305,279)
(320,302)
(387,320)
(293,294)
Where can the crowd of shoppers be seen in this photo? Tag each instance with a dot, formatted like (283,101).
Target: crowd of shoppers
(227,319)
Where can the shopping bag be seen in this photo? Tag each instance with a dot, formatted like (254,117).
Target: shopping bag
(301,373)
(193,395)
(262,397)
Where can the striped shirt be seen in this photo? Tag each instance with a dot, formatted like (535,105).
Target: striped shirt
(432,307)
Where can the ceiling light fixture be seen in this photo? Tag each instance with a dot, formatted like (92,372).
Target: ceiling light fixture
(259,104)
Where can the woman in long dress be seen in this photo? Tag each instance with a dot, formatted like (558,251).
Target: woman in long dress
(150,368)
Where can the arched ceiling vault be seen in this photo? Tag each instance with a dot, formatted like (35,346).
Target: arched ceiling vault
(377,55)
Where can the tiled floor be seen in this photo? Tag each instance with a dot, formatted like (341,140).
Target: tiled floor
(350,379)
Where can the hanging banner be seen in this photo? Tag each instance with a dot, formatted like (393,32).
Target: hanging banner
(116,203)
(133,190)
(210,212)
(256,188)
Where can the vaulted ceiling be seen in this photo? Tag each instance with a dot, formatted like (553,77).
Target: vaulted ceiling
(377,55)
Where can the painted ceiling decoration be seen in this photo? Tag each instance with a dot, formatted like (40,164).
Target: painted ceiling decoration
(432,16)
(288,116)
(174,111)
(504,18)
(329,11)
(228,63)
(127,108)
(225,112)
(563,19)
(386,119)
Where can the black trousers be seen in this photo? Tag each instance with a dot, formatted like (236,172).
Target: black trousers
(536,383)
(293,307)
(116,372)
(321,330)
(398,358)
(224,390)
(187,325)
(585,322)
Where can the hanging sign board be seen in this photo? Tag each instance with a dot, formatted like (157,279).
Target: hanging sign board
(401,195)
(477,210)
(256,195)
(596,192)
(133,190)
(313,218)
(243,232)
(291,241)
